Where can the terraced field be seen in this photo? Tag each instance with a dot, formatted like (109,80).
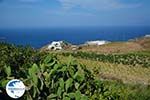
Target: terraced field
(109,71)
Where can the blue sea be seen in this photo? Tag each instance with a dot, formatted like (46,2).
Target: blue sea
(38,37)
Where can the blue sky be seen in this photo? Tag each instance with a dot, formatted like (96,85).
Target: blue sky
(71,13)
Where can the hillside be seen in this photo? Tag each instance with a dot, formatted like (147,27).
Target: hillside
(81,76)
(141,44)
(135,45)
(144,42)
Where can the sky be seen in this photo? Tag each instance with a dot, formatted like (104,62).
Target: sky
(73,13)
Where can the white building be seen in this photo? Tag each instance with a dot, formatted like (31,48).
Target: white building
(96,42)
(147,35)
(55,45)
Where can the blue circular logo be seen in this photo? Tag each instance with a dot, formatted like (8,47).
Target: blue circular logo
(15,88)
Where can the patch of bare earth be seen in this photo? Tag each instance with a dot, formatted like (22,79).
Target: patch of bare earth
(144,42)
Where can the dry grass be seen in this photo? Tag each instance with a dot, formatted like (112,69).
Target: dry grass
(141,44)
(124,73)
(120,47)
(116,47)
(144,42)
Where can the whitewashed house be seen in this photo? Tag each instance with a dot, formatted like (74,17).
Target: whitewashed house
(147,35)
(55,45)
(96,42)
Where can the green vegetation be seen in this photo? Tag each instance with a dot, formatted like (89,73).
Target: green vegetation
(49,78)
(119,72)
(126,59)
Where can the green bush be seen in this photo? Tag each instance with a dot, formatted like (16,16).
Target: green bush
(126,59)
(46,78)
(54,80)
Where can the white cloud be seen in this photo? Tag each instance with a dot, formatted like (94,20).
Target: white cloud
(95,4)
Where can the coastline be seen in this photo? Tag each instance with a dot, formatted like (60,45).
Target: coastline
(89,42)
(38,38)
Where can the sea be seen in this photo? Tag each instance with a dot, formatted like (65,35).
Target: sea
(39,37)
